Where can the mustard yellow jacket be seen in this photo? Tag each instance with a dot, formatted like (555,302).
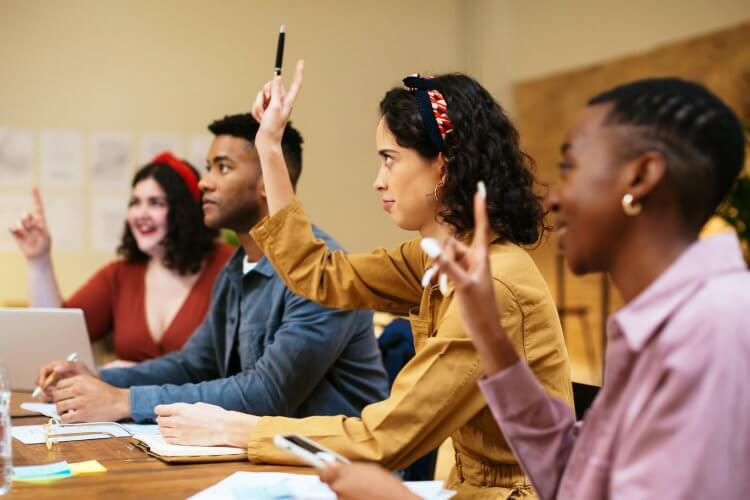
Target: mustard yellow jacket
(435,395)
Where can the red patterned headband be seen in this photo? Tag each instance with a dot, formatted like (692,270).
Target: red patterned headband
(432,108)
(181,168)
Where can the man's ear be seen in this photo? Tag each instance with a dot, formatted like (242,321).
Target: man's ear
(641,176)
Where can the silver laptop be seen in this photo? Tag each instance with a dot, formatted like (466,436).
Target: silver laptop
(32,337)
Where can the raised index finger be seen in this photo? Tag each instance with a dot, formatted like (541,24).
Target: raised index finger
(481,219)
(37,200)
(294,88)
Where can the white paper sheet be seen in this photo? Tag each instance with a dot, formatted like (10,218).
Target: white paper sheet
(154,143)
(270,485)
(198,146)
(46,409)
(111,159)
(65,220)
(160,446)
(34,434)
(143,430)
(50,410)
(107,221)
(62,158)
(16,158)
(12,206)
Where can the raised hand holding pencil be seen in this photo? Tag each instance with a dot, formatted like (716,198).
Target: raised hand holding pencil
(272,108)
(279,51)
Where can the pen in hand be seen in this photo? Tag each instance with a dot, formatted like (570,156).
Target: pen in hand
(279,52)
(73,356)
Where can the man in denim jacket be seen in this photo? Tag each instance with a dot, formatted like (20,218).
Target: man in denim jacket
(261,349)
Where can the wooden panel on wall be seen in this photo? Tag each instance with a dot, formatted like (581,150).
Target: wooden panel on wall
(545,108)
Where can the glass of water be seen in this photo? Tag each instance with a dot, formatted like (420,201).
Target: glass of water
(6,449)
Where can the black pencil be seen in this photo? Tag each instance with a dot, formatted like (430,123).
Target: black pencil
(279,51)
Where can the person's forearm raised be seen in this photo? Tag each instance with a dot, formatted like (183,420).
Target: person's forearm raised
(35,243)
(43,288)
(272,108)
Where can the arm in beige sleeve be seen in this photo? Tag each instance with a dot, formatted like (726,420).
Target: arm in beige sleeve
(382,280)
(434,395)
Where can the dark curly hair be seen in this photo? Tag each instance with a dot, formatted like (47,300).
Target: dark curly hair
(483,146)
(188,241)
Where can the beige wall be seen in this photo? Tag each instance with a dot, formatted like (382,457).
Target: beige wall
(514,40)
(140,66)
(169,65)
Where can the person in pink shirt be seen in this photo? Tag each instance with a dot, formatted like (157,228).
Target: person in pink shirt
(644,166)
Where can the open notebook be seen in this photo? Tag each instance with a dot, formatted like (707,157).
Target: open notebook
(156,446)
(145,437)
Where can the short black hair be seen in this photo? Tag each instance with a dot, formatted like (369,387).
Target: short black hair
(188,241)
(246,127)
(483,146)
(700,137)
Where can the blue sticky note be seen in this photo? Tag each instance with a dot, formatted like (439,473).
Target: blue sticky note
(55,470)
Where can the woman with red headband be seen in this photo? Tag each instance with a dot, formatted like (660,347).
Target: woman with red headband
(437,137)
(156,294)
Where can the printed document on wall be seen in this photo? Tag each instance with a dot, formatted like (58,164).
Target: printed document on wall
(157,142)
(16,158)
(62,158)
(107,222)
(64,212)
(111,159)
(12,207)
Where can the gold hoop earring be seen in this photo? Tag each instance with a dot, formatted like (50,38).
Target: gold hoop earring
(631,209)
(435,194)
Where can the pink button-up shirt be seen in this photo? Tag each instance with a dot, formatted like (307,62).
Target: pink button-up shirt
(673,417)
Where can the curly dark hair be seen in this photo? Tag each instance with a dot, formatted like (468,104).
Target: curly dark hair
(188,241)
(483,146)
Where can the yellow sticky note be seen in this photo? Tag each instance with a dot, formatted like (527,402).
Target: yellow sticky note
(88,467)
(48,480)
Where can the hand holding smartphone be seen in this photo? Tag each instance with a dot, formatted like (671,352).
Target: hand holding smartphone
(307,450)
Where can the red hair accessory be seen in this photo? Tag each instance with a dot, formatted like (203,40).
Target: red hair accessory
(432,107)
(181,168)
(440,111)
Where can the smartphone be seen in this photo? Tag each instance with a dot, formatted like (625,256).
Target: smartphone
(309,451)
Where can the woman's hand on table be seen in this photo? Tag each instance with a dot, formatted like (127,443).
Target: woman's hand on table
(203,424)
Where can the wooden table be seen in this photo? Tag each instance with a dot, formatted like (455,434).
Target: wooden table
(130,472)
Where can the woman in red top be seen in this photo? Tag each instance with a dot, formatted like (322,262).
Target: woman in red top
(156,294)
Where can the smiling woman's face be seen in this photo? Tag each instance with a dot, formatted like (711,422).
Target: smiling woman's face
(406,183)
(587,199)
(147,216)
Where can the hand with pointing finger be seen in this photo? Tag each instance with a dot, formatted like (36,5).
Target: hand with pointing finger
(31,232)
(273,104)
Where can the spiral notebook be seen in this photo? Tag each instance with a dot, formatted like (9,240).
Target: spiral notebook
(156,446)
